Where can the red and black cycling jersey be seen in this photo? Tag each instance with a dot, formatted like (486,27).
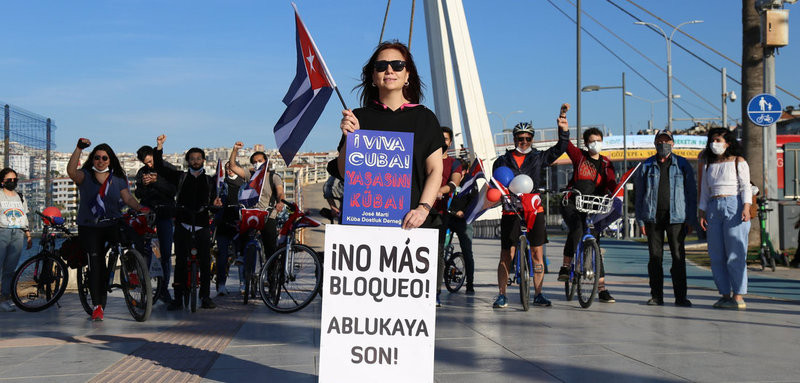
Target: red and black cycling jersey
(590,176)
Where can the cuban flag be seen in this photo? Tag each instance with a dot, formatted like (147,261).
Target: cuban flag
(307,96)
(96,205)
(250,193)
(220,179)
(625,178)
(475,172)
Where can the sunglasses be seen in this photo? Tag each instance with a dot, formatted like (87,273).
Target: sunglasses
(520,139)
(98,158)
(10,180)
(397,65)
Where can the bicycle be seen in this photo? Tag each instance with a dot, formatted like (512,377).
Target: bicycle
(192,264)
(766,251)
(292,276)
(583,270)
(41,280)
(134,276)
(144,226)
(454,265)
(251,223)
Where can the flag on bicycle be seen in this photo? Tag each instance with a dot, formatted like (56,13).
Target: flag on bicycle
(220,178)
(479,205)
(96,205)
(307,95)
(251,191)
(625,178)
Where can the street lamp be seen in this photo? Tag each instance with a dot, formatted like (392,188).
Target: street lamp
(652,105)
(594,88)
(504,119)
(669,62)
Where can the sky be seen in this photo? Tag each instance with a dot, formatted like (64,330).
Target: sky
(209,73)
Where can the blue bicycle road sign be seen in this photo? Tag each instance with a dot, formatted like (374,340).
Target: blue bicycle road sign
(764,109)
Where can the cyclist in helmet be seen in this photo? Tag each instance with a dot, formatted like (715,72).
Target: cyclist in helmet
(524,159)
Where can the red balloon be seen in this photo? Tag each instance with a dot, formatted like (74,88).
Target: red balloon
(493,195)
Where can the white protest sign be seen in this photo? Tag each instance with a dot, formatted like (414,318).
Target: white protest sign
(379,306)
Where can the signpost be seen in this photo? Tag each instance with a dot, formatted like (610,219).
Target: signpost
(764,109)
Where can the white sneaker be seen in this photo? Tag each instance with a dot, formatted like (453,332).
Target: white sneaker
(222,291)
(7,306)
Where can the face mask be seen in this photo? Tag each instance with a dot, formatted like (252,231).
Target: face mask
(196,172)
(100,171)
(718,148)
(233,177)
(595,147)
(258,164)
(10,185)
(663,149)
(526,151)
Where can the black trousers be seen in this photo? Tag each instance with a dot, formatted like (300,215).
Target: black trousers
(94,240)
(183,244)
(676,237)
(576,221)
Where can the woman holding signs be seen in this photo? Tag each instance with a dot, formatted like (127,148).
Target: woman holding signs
(390,93)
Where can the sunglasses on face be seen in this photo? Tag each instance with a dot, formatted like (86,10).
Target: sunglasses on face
(10,180)
(397,65)
(520,139)
(98,158)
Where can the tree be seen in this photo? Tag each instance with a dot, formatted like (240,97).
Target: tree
(752,84)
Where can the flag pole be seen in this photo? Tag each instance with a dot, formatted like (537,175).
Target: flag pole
(321,60)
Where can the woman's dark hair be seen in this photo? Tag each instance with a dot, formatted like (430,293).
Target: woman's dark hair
(144,151)
(194,150)
(5,172)
(113,164)
(368,92)
(591,132)
(734,148)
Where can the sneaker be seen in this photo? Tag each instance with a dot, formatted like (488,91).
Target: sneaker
(719,302)
(207,303)
(563,274)
(470,290)
(731,304)
(97,314)
(222,291)
(683,302)
(605,297)
(655,302)
(500,302)
(540,300)
(7,306)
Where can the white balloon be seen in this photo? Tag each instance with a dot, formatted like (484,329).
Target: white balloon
(521,184)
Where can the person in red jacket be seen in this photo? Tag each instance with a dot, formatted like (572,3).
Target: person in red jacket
(593,174)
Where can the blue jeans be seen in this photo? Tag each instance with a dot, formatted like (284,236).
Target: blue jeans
(223,241)
(727,244)
(165,228)
(11,243)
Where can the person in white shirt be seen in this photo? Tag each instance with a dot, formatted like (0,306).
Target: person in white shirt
(13,233)
(724,208)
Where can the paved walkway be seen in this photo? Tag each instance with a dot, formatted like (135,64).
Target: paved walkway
(624,341)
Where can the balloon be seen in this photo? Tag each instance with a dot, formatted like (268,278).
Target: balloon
(504,175)
(521,184)
(493,195)
(53,212)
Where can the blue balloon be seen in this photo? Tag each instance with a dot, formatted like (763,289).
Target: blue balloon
(504,175)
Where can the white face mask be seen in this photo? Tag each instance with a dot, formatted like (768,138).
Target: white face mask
(595,147)
(718,148)
(258,164)
(525,151)
(197,172)
(233,176)
(100,171)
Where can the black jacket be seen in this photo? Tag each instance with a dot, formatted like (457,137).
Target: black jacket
(195,195)
(159,195)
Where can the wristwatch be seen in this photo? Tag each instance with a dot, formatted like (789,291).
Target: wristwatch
(425,205)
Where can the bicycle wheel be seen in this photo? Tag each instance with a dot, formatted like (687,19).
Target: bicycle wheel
(524,273)
(193,296)
(134,279)
(39,282)
(290,280)
(84,292)
(454,272)
(588,278)
(570,284)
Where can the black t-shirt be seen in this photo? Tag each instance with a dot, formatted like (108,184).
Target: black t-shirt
(663,185)
(415,119)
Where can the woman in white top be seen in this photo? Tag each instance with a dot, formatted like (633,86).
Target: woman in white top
(13,233)
(724,205)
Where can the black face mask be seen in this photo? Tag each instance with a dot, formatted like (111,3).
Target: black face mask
(663,149)
(10,185)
